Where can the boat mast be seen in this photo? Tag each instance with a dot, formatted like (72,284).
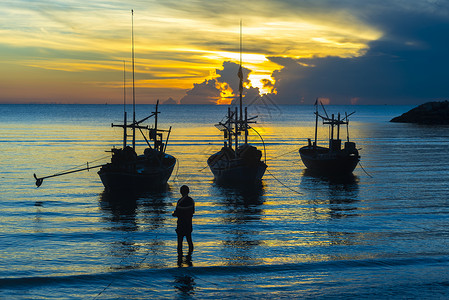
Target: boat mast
(156,143)
(134,91)
(338,126)
(124,106)
(347,126)
(316,122)
(241,74)
(239,114)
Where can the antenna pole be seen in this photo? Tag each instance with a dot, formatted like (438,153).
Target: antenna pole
(134,91)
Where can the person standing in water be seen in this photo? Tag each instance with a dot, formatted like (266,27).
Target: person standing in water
(185,208)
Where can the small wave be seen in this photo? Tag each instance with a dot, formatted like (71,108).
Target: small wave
(219,271)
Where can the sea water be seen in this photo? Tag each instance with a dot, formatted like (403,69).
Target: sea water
(382,233)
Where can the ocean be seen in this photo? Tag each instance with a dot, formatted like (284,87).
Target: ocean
(381,234)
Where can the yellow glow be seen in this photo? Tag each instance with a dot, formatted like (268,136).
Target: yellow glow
(256,81)
(173,49)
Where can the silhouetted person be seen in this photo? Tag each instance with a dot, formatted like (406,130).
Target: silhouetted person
(185,208)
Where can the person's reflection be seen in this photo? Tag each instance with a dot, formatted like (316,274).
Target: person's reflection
(185,261)
(185,284)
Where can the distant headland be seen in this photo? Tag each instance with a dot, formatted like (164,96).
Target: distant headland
(431,113)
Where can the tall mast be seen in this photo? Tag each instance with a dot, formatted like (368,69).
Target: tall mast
(155,124)
(134,90)
(239,115)
(124,87)
(316,122)
(241,73)
(124,106)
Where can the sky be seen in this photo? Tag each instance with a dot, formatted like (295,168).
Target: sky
(187,52)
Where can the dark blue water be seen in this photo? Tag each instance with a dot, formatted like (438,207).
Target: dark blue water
(383,233)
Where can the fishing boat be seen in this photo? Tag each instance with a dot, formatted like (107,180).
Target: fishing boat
(333,160)
(237,162)
(128,170)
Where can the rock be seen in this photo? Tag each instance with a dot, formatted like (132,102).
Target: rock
(433,113)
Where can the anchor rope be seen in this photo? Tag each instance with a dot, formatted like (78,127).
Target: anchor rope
(293,190)
(177,169)
(365,170)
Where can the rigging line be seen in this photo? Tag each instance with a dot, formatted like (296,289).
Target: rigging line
(263,143)
(283,154)
(112,281)
(202,169)
(177,169)
(293,190)
(365,170)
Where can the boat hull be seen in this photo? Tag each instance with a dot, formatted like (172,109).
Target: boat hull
(237,170)
(321,160)
(140,176)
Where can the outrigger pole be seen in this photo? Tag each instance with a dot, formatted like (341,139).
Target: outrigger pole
(41,179)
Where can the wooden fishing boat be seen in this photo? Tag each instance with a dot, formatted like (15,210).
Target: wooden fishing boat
(333,160)
(237,162)
(127,170)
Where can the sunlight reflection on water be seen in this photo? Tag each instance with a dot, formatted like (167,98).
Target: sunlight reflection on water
(71,226)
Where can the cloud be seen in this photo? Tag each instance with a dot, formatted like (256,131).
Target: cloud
(268,85)
(228,75)
(377,52)
(223,89)
(407,65)
(202,93)
(170,100)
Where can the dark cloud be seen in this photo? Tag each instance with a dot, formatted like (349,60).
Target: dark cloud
(229,75)
(268,84)
(202,93)
(210,90)
(408,64)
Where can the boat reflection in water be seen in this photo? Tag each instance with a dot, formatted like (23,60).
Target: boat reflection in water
(141,217)
(240,219)
(334,199)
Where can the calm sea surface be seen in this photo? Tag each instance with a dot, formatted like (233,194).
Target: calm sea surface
(382,234)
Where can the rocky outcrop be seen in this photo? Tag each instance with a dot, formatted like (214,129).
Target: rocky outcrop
(433,113)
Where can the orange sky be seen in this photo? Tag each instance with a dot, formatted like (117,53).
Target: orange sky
(73,51)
